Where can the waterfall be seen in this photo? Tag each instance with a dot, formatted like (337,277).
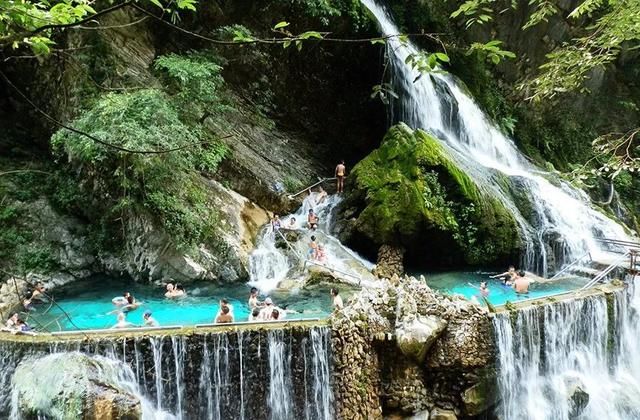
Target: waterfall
(269,265)
(550,357)
(257,374)
(280,385)
(438,104)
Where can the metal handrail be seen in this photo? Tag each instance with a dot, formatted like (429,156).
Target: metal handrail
(290,196)
(606,271)
(306,261)
(566,268)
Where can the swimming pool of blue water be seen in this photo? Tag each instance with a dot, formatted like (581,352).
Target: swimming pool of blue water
(467,283)
(88,304)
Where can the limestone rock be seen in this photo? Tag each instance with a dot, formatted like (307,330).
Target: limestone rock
(390,261)
(480,397)
(70,386)
(416,336)
(441,414)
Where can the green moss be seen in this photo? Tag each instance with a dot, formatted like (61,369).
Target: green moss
(411,186)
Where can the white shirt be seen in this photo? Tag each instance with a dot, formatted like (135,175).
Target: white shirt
(337,302)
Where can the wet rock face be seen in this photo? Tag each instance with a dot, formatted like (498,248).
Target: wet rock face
(405,349)
(70,386)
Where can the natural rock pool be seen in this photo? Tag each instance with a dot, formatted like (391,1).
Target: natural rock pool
(89,305)
(466,284)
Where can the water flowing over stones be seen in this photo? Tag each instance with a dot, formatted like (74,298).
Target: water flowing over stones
(562,225)
(576,358)
(372,376)
(259,374)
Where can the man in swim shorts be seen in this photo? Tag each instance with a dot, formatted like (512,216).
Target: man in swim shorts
(341,172)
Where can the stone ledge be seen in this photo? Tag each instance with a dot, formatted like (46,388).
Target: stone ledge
(6,337)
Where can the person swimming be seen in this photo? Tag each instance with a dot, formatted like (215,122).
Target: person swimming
(122,322)
(224,317)
(149,321)
(521,283)
(508,277)
(174,291)
(484,289)
(253,299)
(255,315)
(312,220)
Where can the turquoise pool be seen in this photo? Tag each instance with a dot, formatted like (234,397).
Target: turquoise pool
(89,304)
(458,283)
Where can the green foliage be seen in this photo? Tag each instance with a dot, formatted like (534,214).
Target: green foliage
(165,185)
(490,51)
(411,187)
(195,80)
(22,22)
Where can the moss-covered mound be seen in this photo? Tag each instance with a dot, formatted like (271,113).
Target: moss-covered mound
(412,193)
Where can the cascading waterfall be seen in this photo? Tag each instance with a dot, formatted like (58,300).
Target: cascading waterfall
(551,357)
(283,373)
(268,265)
(437,104)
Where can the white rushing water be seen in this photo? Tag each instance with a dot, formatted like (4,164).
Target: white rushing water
(269,265)
(550,352)
(437,103)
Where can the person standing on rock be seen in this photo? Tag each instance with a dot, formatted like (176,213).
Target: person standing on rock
(341,172)
(337,300)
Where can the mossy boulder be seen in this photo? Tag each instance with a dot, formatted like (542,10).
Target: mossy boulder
(412,192)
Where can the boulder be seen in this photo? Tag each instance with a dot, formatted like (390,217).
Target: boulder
(442,414)
(578,399)
(415,336)
(480,397)
(70,386)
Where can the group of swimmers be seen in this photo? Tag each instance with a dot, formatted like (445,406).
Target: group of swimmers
(510,278)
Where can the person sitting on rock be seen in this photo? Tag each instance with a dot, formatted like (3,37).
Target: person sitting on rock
(521,283)
(12,322)
(292,224)
(224,317)
(336,299)
(313,247)
(312,220)
(122,322)
(320,256)
(149,321)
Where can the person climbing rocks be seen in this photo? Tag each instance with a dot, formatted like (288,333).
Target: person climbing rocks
(275,223)
(321,195)
(224,317)
(341,171)
(336,299)
(521,283)
(313,247)
(312,220)
(149,321)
